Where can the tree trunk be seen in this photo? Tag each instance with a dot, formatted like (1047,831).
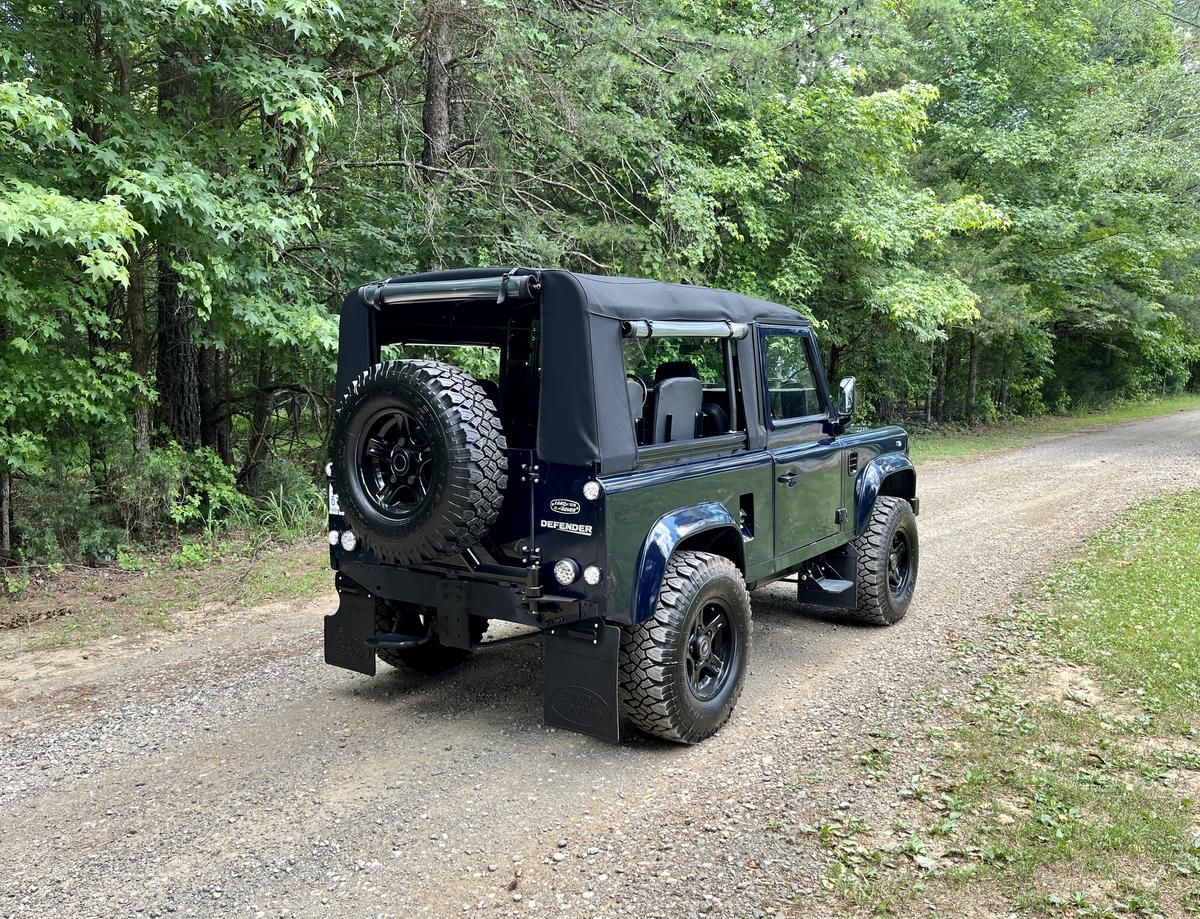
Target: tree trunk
(929,390)
(6,513)
(178,357)
(139,347)
(214,403)
(209,403)
(260,424)
(972,376)
(178,354)
(225,422)
(435,113)
(939,394)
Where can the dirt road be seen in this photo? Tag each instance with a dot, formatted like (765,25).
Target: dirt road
(224,769)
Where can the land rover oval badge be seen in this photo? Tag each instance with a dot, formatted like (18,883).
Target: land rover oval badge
(564,506)
(579,705)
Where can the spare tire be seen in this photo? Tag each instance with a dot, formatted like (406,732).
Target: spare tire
(418,460)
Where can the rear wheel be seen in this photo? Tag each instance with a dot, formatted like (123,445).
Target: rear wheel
(682,669)
(888,553)
(410,619)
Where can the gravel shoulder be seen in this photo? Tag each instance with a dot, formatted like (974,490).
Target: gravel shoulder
(225,769)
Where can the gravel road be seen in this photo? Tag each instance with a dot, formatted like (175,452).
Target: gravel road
(224,769)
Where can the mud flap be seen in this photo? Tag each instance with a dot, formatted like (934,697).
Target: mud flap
(581,671)
(347,630)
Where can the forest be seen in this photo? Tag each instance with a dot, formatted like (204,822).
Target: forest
(990,208)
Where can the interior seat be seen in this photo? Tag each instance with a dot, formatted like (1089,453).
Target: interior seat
(636,391)
(675,410)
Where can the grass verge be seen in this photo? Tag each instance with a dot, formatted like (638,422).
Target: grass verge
(1067,782)
(78,605)
(943,445)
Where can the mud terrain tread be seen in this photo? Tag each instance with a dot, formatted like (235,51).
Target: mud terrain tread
(476,446)
(872,546)
(650,651)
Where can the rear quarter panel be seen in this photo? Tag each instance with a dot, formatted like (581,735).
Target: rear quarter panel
(635,501)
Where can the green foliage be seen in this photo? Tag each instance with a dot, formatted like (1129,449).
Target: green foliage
(989,210)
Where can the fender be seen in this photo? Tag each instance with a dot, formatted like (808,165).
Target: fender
(667,533)
(870,481)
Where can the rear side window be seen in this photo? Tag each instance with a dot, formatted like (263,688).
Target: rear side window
(791,384)
(679,390)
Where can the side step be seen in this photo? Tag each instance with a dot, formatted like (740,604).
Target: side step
(396,640)
(830,580)
(833,585)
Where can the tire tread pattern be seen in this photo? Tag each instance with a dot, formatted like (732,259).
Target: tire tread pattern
(477,451)
(650,651)
(873,545)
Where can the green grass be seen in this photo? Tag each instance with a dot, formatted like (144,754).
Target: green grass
(99,603)
(950,444)
(1067,783)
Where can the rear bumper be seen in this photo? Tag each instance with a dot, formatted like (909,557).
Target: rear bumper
(454,599)
(581,651)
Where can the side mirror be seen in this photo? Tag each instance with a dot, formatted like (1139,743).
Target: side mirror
(846,398)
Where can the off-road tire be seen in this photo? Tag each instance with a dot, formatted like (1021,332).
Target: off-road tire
(656,696)
(468,468)
(431,657)
(878,603)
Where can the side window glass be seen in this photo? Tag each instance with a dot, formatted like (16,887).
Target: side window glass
(678,390)
(791,385)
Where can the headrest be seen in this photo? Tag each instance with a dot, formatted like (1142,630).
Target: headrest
(673,369)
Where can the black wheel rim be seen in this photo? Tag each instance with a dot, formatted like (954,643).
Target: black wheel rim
(395,463)
(710,649)
(899,564)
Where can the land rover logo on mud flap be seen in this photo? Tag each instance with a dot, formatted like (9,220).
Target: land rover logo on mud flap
(564,506)
(579,705)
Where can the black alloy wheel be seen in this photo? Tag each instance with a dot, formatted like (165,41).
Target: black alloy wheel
(419,461)
(899,565)
(682,669)
(711,648)
(395,463)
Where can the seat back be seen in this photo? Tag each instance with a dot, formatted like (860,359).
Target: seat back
(676,406)
(633,389)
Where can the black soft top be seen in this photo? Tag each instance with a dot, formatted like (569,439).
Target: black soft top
(635,298)
(582,365)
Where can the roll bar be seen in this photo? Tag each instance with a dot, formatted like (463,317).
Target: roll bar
(496,288)
(644,328)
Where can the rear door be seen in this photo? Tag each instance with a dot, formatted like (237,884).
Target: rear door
(807,458)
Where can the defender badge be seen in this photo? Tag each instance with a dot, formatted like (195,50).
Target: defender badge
(579,529)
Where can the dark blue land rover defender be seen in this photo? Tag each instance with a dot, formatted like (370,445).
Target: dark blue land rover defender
(637,458)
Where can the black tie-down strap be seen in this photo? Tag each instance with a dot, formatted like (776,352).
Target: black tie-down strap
(581,672)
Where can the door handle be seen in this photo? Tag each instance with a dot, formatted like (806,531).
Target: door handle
(788,479)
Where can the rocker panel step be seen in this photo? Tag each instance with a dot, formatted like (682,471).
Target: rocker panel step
(833,585)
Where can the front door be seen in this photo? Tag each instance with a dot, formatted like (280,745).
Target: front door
(807,457)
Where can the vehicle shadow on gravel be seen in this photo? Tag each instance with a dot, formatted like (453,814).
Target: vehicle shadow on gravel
(493,685)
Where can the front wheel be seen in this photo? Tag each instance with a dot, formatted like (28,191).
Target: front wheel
(888,553)
(682,669)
